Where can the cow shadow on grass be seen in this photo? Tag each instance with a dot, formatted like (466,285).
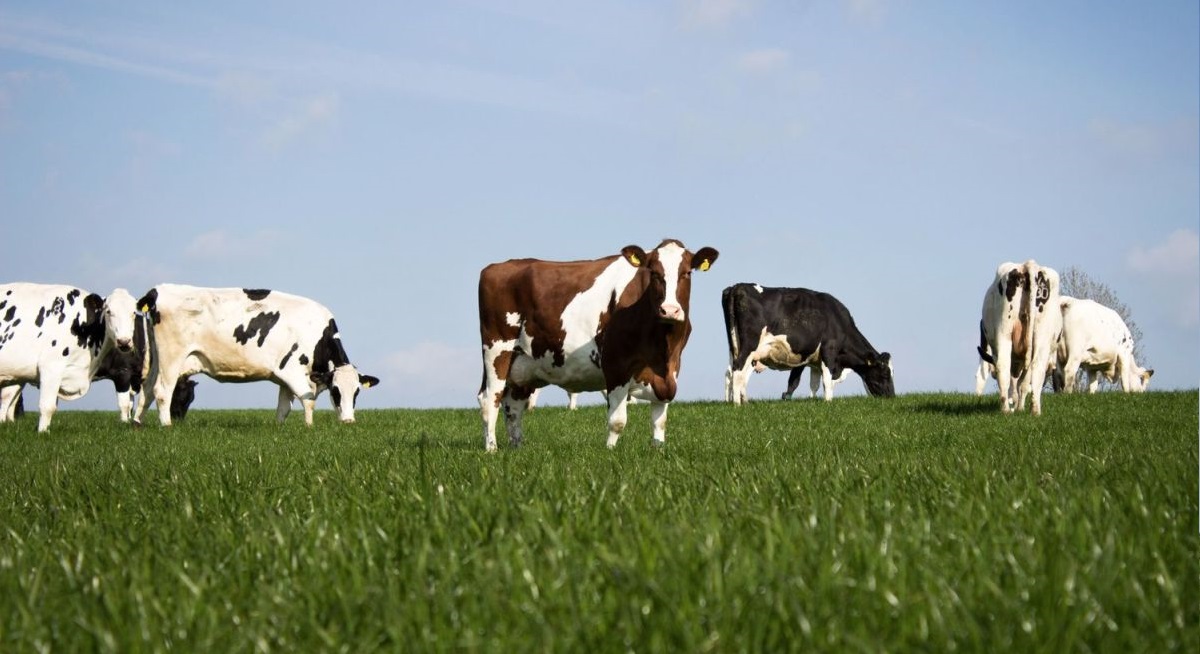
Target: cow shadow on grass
(962,407)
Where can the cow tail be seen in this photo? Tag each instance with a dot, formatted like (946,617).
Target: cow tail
(729,304)
(1027,306)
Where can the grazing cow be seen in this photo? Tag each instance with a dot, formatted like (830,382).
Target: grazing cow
(244,335)
(1020,327)
(55,337)
(617,324)
(793,328)
(1095,339)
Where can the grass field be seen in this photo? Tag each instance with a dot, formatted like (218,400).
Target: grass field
(924,523)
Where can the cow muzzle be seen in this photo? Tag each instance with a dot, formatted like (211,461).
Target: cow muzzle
(124,345)
(671,313)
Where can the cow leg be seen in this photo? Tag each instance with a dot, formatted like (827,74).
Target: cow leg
(125,405)
(740,378)
(1037,380)
(572,400)
(658,420)
(284,406)
(8,402)
(793,382)
(515,402)
(1004,378)
(618,412)
(164,390)
(48,400)
(1093,381)
(814,381)
(1070,371)
(729,383)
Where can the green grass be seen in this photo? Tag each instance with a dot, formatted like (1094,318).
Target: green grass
(926,523)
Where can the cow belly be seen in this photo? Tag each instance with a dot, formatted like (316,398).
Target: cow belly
(578,373)
(775,353)
(75,383)
(243,370)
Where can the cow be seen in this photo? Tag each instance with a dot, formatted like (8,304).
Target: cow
(1096,340)
(793,328)
(616,324)
(55,337)
(125,369)
(1019,331)
(246,335)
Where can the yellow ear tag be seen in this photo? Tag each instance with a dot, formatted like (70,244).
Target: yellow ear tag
(367,385)
(145,308)
(634,260)
(704,265)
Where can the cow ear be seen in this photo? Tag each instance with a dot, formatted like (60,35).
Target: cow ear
(321,378)
(704,258)
(885,358)
(634,255)
(368,381)
(148,301)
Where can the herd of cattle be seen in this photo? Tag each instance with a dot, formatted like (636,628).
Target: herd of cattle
(616,325)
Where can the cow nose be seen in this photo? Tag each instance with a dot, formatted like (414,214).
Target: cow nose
(124,345)
(347,421)
(672,312)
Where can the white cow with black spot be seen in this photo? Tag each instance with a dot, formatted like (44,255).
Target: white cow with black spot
(245,335)
(55,337)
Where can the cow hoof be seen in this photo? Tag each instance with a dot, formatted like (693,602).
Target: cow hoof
(137,426)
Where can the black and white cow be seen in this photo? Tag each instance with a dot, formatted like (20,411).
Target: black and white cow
(126,370)
(245,335)
(1019,331)
(55,337)
(790,328)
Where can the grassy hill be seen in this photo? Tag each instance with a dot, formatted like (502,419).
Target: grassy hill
(929,522)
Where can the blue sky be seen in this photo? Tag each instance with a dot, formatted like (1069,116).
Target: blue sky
(376,156)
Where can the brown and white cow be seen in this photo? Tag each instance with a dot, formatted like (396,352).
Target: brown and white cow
(617,324)
(1019,331)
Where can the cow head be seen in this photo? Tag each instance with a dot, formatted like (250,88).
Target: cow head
(1141,378)
(876,374)
(182,398)
(344,382)
(120,317)
(670,267)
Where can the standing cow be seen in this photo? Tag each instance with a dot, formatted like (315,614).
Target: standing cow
(617,324)
(793,328)
(56,337)
(244,335)
(1019,330)
(1095,339)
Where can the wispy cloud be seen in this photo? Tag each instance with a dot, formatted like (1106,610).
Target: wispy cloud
(434,368)
(868,11)
(276,68)
(1178,255)
(41,46)
(714,13)
(1174,268)
(220,245)
(314,114)
(764,60)
(1146,140)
